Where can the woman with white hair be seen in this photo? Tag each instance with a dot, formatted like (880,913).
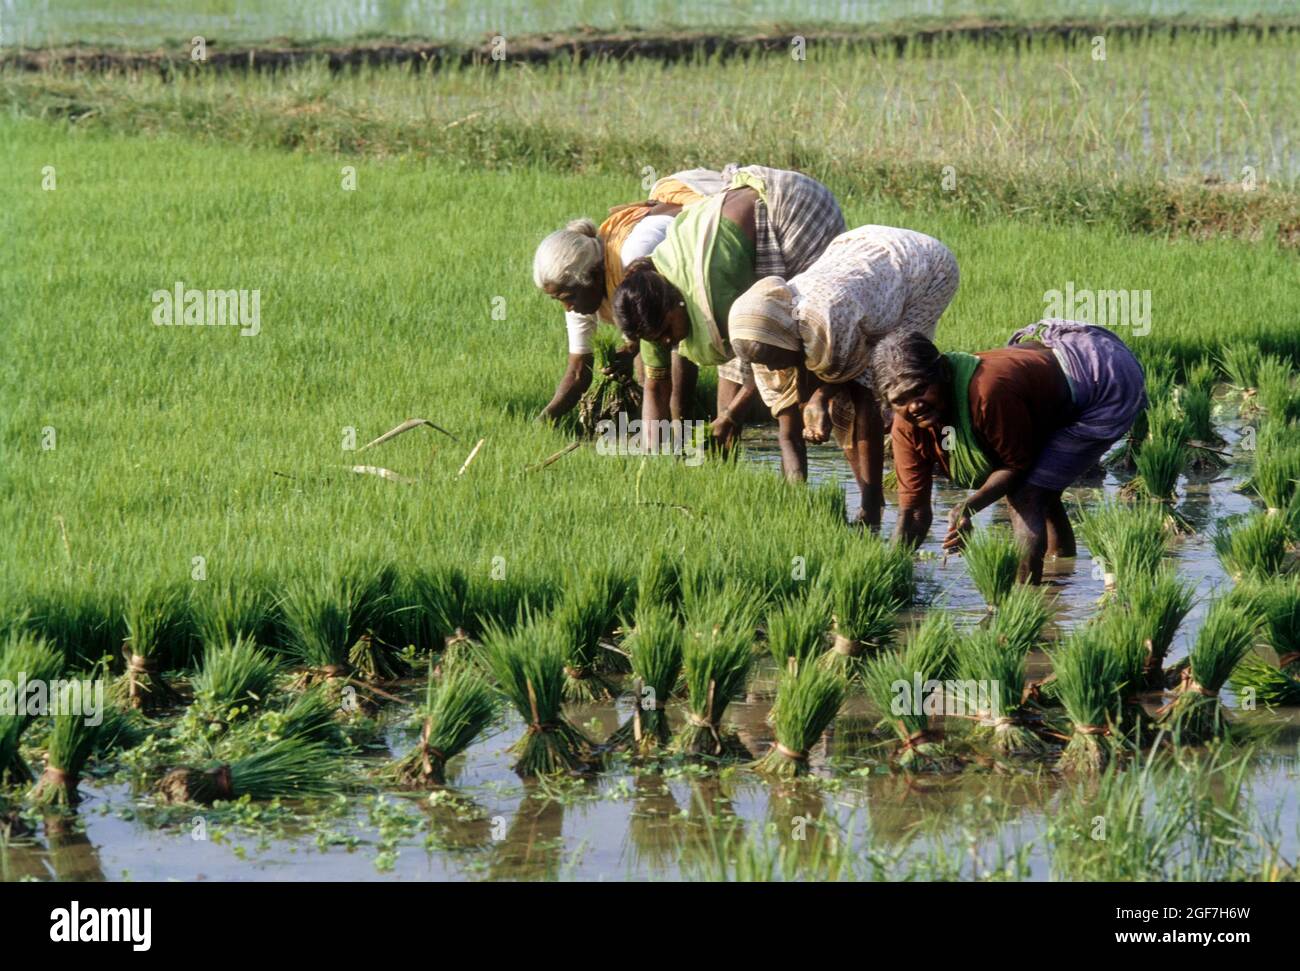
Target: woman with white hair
(810,340)
(582,264)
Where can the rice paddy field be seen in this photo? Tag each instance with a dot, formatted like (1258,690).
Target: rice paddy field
(473,652)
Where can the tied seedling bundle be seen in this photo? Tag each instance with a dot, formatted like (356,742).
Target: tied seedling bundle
(330,623)
(656,655)
(1276,474)
(808,698)
(1144,622)
(866,596)
(432,611)
(234,674)
(238,610)
(1196,400)
(993,558)
(1276,383)
(660,581)
(1129,541)
(1089,678)
(1256,679)
(1196,714)
(895,682)
(457,707)
(991,671)
(152,624)
(529,669)
(615,389)
(73,739)
(1240,364)
(1160,460)
(716,659)
(1253,547)
(290,767)
(27,665)
(796,628)
(587,614)
(1279,602)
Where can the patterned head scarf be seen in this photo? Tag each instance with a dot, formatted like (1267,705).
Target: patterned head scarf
(765,313)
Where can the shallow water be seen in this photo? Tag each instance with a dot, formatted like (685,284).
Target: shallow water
(621,825)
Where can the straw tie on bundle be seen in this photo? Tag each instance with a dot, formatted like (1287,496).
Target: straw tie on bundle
(846,646)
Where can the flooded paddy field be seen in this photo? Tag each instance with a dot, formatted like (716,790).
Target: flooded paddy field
(856,816)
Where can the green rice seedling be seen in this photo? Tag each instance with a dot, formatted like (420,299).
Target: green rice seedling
(993,558)
(458,706)
(310,715)
(807,700)
(1146,620)
(655,646)
(237,610)
(1129,540)
(1276,383)
(151,620)
(1255,546)
(326,621)
(1279,603)
(932,645)
(1196,401)
(234,674)
(73,739)
(990,684)
(864,614)
(797,628)
(1021,618)
(585,616)
(1159,464)
(529,669)
(716,659)
(1240,363)
(614,389)
(1196,714)
(26,661)
(290,767)
(429,608)
(1089,681)
(660,580)
(890,679)
(1255,678)
(1275,476)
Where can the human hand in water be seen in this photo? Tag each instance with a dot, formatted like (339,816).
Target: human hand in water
(959,527)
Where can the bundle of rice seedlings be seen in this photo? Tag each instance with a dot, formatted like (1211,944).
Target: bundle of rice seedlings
(614,390)
(1159,463)
(1089,679)
(457,707)
(529,669)
(150,621)
(232,674)
(660,581)
(1240,363)
(1272,687)
(807,700)
(1130,541)
(1020,620)
(587,614)
(1196,400)
(796,628)
(1146,621)
(993,558)
(73,740)
(991,676)
(1254,546)
(890,679)
(1276,384)
(656,648)
(1279,603)
(289,767)
(1196,714)
(429,608)
(330,623)
(864,617)
(1276,475)
(716,659)
(25,660)
(235,610)
(310,715)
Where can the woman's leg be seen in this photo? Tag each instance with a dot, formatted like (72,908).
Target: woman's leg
(865,453)
(1060,534)
(1029,506)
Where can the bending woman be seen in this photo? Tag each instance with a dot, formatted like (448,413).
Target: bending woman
(811,338)
(582,264)
(768,222)
(1021,422)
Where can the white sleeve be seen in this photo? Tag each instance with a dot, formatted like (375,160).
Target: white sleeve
(582,327)
(644,237)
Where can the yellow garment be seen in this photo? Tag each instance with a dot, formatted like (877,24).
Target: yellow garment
(765,313)
(616,228)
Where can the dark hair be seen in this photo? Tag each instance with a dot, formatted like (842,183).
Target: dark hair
(642,301)
(906,358)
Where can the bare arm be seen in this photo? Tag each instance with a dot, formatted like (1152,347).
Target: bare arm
(999,483)
(655,406)
(574,384)
(794,450)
